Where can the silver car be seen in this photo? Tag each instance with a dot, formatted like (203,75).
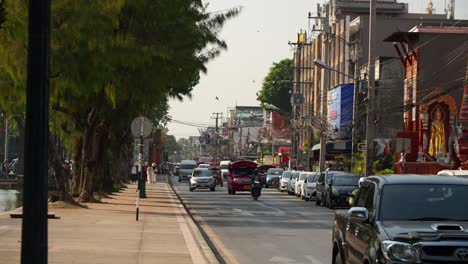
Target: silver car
(283,183)
(308,187)
(202,178)
(292,181)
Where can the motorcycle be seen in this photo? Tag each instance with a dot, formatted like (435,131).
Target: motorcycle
(256,189)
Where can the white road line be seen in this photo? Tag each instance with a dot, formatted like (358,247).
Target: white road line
(192,246)
(313,260)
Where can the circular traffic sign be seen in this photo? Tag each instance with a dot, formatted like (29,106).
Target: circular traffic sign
(141,126)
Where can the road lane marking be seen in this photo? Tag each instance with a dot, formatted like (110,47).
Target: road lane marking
(313,260)
(281,259)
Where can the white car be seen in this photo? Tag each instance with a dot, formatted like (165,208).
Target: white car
(202,178)
(308,187)
(224,166)
(292,181)
(299,182)
(204,165)
(283,184)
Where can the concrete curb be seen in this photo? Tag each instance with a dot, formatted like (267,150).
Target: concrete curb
(222,255)
(203,242)
(11,211)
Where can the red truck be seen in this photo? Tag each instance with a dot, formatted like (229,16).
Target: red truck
(239,176)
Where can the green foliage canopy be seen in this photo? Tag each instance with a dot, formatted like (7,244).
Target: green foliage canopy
(276,86)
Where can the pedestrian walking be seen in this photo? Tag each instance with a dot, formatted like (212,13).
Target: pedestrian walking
(134,174)
(151,173)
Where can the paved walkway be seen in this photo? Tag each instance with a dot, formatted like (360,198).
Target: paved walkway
(108,232)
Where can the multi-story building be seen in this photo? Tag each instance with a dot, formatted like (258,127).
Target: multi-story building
(342,30)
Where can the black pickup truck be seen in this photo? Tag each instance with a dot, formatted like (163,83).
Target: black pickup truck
(404,219)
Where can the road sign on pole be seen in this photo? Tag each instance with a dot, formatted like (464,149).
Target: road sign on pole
(141,127)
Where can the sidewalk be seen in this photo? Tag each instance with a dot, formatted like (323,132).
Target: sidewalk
(108,232)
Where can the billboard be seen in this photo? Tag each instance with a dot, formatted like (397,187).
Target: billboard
(340,111)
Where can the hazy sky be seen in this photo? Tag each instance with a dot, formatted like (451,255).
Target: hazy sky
(256,38)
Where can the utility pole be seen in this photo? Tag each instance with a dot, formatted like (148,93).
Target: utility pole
(370,124)
(217,117)
(355,95)
(217,133)
(325,83)
(34,236)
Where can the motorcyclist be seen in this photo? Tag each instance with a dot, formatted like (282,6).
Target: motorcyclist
(354,193)
(255,177)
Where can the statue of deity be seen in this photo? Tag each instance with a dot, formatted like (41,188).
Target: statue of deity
(437,139)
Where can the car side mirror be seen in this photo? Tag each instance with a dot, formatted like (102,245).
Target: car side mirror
(359,214)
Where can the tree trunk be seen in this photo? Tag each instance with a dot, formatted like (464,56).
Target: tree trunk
(87,170)
(76,177)
(61,174)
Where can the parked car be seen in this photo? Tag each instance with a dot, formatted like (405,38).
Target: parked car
(262,171)
(272,176)
(292,181)
(299,182)
(239,177)
(404,219)
(340,189)
(202,178)
(323,184)
(309,185)
(186,169)
(456,173)
(283,183)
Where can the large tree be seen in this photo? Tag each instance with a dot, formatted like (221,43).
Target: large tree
(110,62)
(276,86)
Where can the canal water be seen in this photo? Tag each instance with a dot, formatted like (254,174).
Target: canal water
(10,199)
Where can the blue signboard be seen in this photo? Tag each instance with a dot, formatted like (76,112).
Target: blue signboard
(340,111)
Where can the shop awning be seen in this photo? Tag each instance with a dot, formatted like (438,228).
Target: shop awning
(284,150)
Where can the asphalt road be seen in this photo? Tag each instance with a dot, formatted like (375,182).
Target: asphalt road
(278,228)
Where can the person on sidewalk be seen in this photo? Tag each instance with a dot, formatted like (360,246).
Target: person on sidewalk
(151,173)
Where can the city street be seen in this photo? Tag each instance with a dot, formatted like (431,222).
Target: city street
(277,228)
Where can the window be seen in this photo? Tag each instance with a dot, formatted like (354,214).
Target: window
(362,197)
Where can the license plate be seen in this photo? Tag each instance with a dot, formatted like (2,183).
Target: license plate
(247,187)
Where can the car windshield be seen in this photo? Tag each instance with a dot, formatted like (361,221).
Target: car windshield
(202,173)
(348,180)
(424,202)
(312,178)
(286,174)
(187,166)
(275,172)
(303,176)
(224,166)
(296,175)
(243,172)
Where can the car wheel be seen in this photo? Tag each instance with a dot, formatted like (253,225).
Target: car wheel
(317,201)
(307,199)
(212,189)
(180,180)
(338,259)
